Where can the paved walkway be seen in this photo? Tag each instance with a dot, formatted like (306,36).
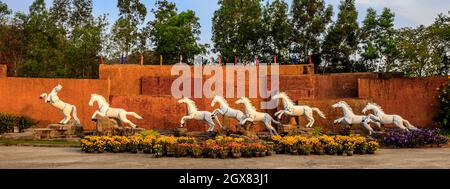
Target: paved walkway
(44,157)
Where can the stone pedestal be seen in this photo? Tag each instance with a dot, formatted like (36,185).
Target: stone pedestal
(44,134)
(106,126)
(66,131)
(285,128)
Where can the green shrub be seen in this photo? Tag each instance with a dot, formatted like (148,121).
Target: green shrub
(443,118)
(149,133)
(8,122)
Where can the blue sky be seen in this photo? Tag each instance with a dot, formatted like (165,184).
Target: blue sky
(409,13)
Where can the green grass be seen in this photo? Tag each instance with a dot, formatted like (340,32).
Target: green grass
(40,142)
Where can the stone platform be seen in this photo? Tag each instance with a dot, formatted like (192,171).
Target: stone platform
(52,132)
(108,127)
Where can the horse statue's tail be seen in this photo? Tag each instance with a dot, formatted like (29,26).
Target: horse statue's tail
(409,125)
(74,114)
(134,115)
(319,112)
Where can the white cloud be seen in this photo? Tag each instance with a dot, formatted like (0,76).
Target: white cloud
(409,12)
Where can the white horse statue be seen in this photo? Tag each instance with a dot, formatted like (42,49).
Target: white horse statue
(253,116)
(106,111)
(350,118)
(194,114)
(293,110)
(225,109)
(388,119)
(65,108)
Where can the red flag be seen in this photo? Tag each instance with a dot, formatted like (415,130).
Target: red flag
(101,59)
(275,59)
(310,59)
(256,60)
(235,60)
(220,60)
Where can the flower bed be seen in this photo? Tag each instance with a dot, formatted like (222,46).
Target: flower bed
(319,145)
(220,147)
(412,139)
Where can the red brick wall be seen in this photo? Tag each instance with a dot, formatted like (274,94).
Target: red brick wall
(20,96)
(413,99)
(126,79)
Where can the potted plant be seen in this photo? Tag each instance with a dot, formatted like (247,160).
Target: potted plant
(306,149)
(372,146)
(158,150)
(331,148)
(361,148)
(211,150)
(235,149)
(87,146)
(180,150)
(349,149)
(196,151)
(246,151)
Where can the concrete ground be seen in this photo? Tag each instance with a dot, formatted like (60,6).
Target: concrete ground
(73,158)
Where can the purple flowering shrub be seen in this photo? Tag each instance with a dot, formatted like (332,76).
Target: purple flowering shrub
(416,138)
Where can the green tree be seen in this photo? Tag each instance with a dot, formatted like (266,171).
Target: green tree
(237,29)
(125,29)
(12,44)
(309,19)
(81,15)
(60,12)
(341,41)
(276,29)
(424,51)
(369,50)
(85,42)
(174,34)
(4,11)
(44,41)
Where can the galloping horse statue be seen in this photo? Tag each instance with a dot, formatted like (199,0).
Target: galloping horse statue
(106,111)
(65,108)
(226,110)
(293,110)
(194,114)
(388,119)
(253,116)
(350,118)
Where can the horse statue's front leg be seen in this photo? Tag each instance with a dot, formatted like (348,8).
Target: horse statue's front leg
(276,114)
(183,120)
(217,111)
(282,113)
(94,116)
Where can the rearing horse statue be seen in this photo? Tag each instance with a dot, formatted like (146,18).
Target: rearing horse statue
(65,108)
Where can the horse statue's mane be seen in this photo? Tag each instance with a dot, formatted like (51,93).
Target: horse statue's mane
(283,94)
(377,106)
(101,98)
(249,102)
(347,105)
(223,99)
(191,102)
